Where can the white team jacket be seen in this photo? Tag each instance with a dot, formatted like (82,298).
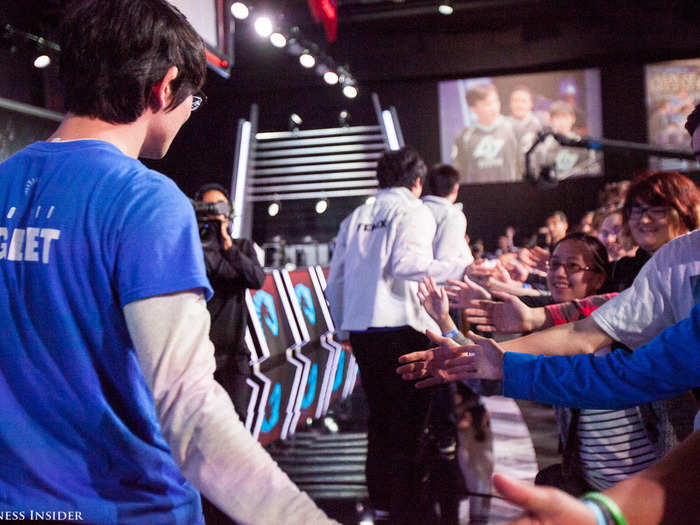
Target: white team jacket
(449,241)
(381,251)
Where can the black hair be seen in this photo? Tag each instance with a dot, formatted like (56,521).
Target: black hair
(479,92)
(209,186)
(113,52)
(693,121)
(595,248)
(560,215)
(400,168)
(441,180)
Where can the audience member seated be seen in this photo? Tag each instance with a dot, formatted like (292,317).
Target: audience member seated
(616,240)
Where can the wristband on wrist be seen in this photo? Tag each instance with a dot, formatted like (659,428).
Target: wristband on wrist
(600,518)
(608,505)
(451,334)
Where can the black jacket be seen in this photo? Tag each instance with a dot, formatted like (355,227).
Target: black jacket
(230,273)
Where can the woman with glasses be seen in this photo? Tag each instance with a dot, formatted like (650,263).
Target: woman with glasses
(659,206)
(602,447)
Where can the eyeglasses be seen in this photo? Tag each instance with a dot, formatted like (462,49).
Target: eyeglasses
(570,267)
(653,212)
(198,99)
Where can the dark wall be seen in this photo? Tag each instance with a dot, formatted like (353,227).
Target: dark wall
(402,60)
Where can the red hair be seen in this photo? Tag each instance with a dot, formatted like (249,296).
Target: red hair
(666,188)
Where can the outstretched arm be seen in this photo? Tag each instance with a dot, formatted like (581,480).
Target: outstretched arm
(665,367)
(213,448)
(666,492)
(450,362)
(581,337)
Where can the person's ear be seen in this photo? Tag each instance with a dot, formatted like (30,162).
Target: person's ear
(162,92)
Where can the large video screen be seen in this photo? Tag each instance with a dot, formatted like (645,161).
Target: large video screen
(672,91)
(488,123)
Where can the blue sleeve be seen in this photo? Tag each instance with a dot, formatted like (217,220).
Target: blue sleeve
(665,367)
(159,250)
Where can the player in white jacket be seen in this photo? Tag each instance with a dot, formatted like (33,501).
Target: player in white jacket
(382,250)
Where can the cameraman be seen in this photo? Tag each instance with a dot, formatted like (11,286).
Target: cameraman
(232,266)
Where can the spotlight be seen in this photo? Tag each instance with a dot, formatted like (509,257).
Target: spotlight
(263,26)
(350,91)
(331,78)
(294,122)
(240,10)
(307,60)
(42,61)
(445,7)
(278,40)
(321,206)
(344,119)
(273,209)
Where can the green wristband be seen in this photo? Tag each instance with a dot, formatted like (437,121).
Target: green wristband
(609,505)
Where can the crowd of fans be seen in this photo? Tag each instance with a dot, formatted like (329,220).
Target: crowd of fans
(632,266)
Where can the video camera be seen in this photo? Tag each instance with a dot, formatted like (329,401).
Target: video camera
(209,225)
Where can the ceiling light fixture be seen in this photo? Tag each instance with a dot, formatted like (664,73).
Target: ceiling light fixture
(263,26)
(445,7)
(307,60)
(240,10)
(278,40)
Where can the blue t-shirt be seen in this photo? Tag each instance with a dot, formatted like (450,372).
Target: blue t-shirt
(85,230)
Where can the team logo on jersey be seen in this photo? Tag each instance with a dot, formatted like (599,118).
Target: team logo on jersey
(265,308)
(273,405)
(488,147)
(305,302)
(565,160)
(310,394)
(28,185)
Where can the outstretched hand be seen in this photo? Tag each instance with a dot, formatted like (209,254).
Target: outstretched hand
(449,361)
(543,505)
(509,316)
(434,300)
(463,292)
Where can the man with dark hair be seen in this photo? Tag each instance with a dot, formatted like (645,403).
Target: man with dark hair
(557,226)
(110,409)
(449,242)
(382,250)
(487,150)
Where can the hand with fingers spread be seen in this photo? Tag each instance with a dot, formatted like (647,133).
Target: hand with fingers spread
(536,257)
(451,362)
(510,316)
(463,292)
(517,270)
(543,505)
(434,300)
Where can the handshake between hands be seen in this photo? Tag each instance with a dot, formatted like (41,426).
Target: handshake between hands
(483,359)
